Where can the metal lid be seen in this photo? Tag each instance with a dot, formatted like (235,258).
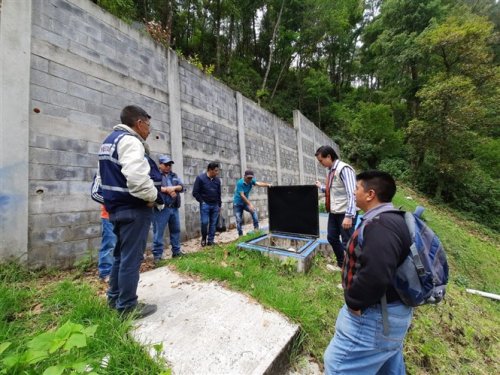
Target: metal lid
(293,209)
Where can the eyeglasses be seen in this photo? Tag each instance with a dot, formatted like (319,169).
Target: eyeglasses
(148,123)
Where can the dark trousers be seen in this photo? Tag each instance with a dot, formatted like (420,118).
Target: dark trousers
(335,232)
(131,228)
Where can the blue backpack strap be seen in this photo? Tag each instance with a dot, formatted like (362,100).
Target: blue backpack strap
(410,223)
(419,211)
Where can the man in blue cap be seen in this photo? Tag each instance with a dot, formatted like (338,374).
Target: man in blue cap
(171,187)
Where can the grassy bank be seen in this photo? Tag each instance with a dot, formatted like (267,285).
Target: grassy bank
(459,336)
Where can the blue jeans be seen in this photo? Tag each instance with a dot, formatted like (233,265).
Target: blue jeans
(131,227)
(335,232)
(108,243)
(170,217)
(209,213)
(359,346)
(238,213)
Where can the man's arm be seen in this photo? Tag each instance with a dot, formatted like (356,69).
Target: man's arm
(219,187)
(136,169)
(174,189)
(349,178)
(247,202)
(263,184)
(196,189)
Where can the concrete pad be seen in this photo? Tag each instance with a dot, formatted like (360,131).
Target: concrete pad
(208,329)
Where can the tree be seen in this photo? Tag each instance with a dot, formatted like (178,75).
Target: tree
(373,135)
(452,110)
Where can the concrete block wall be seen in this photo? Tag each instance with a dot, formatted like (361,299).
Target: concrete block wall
(75,68)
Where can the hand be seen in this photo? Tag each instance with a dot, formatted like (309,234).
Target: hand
(347,223)
(318,184)
(173,193)
(251,208)
(269,185)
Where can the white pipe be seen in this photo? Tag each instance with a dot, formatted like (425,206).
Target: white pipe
(484,294)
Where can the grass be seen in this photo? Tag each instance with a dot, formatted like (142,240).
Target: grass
(33,303)
(459,336)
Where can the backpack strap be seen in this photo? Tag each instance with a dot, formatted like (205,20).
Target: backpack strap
(385,315)
(419,211)
(410,223)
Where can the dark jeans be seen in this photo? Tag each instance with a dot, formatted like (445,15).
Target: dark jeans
(238,213)
(335,232)
(131,228)
(209,213)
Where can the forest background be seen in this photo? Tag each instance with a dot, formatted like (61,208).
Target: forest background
(410,87)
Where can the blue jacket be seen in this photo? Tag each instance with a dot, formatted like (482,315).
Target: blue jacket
(207,189)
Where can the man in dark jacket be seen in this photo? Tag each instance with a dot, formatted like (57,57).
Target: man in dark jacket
(362,344)
(207,191)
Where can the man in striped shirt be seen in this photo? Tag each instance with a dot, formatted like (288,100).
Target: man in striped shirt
(340,201)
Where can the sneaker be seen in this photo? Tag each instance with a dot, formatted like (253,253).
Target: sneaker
(179,254)
(139,311)
(203,243)
(210,243)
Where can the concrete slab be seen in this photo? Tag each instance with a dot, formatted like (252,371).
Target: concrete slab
(208,329)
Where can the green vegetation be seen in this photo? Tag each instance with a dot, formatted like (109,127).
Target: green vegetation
(459,336)
(405,85)
(62,315)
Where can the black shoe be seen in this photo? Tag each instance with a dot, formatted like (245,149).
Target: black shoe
(203,243)
(139,311)
(179,254)
(211,244)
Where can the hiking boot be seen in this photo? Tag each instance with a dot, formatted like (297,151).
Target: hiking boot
(139,311)
(179,254)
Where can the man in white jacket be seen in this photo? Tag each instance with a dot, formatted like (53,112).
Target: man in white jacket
(130,182)
(340,201)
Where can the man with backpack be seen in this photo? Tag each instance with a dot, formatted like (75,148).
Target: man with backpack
(361,345)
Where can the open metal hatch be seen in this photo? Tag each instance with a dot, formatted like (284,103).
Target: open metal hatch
(293,225)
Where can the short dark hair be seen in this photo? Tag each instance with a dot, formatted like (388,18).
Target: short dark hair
(381,182)
(212,165)
(324,151)
(131,113)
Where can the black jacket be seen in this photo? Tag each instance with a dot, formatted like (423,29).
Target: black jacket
(369,270)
